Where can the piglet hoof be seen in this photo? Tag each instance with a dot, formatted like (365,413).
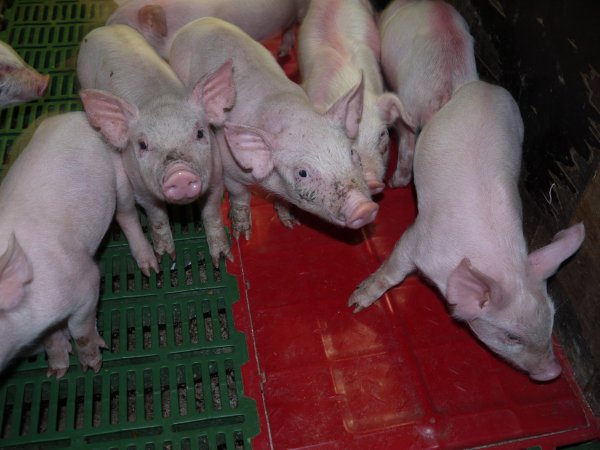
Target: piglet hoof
(91,361)
(284,50)
(58,346)
(357,306)
(164,245)
(96,365)
(288,220)
(290,223)
(145,264)
(285,216)
(218,245)
(359,299)
(237,233)
(58,372)
(216,259)
(228,255)
(400,178)
(89,353)
(172,256)
(282,53)
(57,365)
(238,230)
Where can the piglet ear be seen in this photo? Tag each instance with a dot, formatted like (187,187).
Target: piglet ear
(111,114)
(216,93)
(251,148)
(152,19)
(15,273)
(544,262)
(347,111)
(391,109)
(470,291)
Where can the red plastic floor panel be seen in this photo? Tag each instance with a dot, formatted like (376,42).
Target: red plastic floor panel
(401,374)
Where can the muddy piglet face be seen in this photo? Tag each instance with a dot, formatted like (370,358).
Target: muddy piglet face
(336,197)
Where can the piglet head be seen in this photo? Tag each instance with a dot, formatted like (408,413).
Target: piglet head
(19,82)
(167,142)
(20,85)
(309,161)
(515,320)
(162,144)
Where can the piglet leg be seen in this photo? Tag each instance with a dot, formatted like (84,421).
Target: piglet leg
(239,208)
(406,150)
(160,229)
(58,346)
(283,210)
(393,270)
(218,244)
(82,323)
(287,42)
(129,221)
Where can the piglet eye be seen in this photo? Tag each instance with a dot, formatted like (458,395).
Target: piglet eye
(512,338)
(384,136)
(355,157)
(303,173)
(143,145)
(200,134)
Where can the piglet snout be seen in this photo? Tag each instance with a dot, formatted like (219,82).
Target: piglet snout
(359,210)
(30,84)
(181,184)
(42,84)
(546,372)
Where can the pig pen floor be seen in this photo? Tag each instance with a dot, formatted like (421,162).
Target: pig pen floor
(400,374)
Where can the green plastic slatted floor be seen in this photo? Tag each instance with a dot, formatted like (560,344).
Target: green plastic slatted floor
(172,376)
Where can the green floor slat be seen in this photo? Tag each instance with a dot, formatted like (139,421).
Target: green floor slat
(172,376)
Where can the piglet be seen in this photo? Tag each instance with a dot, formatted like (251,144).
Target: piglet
(49,281)
(19,82)
(468,239)
(141,107)
(338,41)
(274,137)
(426,55)
(159,20)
